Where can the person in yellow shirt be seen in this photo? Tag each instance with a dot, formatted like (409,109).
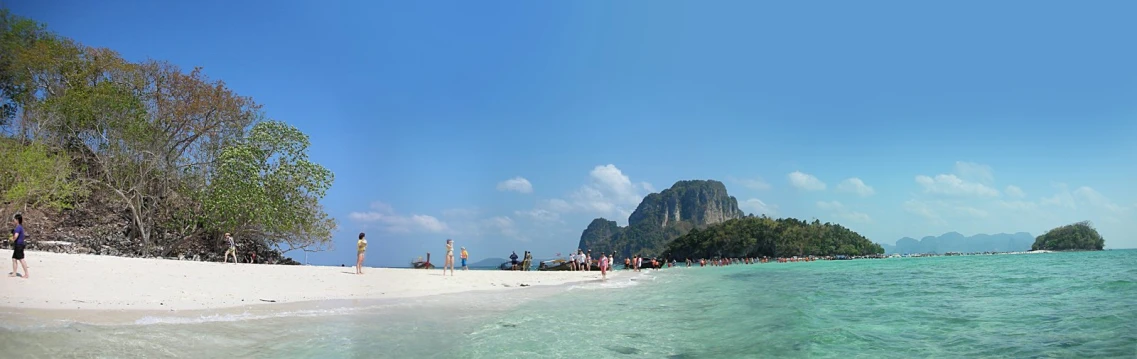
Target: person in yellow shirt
(464,256)
(361,248)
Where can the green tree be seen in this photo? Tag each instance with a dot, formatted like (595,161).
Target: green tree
(33,175)
(149,138)
(266,187)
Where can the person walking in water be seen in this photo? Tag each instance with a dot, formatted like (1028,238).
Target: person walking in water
(232,251)
(18,245)
(465,255)
(449,257)
(361,249)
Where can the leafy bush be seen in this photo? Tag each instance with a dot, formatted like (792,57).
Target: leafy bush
(32,174)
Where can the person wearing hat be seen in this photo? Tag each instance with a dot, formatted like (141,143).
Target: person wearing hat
(465,255)
(232,251)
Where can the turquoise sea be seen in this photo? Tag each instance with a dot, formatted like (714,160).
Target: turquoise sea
(1053,305)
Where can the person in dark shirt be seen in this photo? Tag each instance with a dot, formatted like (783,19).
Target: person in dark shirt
(18,242)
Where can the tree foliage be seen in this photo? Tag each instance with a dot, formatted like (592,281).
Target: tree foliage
(763,236)
(164,144)
(266,185)
(1077,236)
(33,175)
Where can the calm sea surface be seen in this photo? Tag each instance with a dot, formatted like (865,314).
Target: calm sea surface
(1056,305)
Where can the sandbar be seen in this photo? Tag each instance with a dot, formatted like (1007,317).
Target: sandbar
(93,282)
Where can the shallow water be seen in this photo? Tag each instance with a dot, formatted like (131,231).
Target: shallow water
(1060,305)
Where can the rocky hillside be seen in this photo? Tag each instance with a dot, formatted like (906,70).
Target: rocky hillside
(97,227)
(662,217)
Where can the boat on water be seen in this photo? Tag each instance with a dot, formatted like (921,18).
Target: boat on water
(564,265)
(421,264)
(554,265)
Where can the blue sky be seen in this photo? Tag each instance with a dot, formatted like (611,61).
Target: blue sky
(969,116)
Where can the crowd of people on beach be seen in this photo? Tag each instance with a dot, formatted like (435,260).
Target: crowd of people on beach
(579,260)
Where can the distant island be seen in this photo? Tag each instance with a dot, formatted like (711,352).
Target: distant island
(699,219)
(1077,236)
(956,242)
(489,262)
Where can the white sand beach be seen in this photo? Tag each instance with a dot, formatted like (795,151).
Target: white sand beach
(91,282)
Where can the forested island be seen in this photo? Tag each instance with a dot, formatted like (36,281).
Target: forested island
(767,237)
(1077,236)
(108,156)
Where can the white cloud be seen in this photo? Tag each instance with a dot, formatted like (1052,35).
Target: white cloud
(1097,200)
(975,172)
(504,226)
(647,187)
(951,185)
(540,215)
(1019,205)
(609,193)
(460,213)
(936,210)
(384,215)
(969,180)
(757,207)
(856,185)
(1062,198)
(516,184)
(752,183)
(1015,191)
(843,212)
(829,206)
(557,205)
(805,181)
(382,207)
(923,210)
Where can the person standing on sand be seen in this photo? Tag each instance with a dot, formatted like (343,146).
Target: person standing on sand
(18,245)
(449,257)
(232,249)
(464,256)
(360,250)
(603,267)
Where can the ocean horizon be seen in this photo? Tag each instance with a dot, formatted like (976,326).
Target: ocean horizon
(1067,305)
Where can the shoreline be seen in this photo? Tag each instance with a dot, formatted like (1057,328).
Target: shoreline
(66,286)
(46,318)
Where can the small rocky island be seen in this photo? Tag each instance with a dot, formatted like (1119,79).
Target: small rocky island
(1079,236)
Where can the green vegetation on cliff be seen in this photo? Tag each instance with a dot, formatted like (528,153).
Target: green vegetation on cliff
(167,160)
(1077,236)
(661,217)
(763,236)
